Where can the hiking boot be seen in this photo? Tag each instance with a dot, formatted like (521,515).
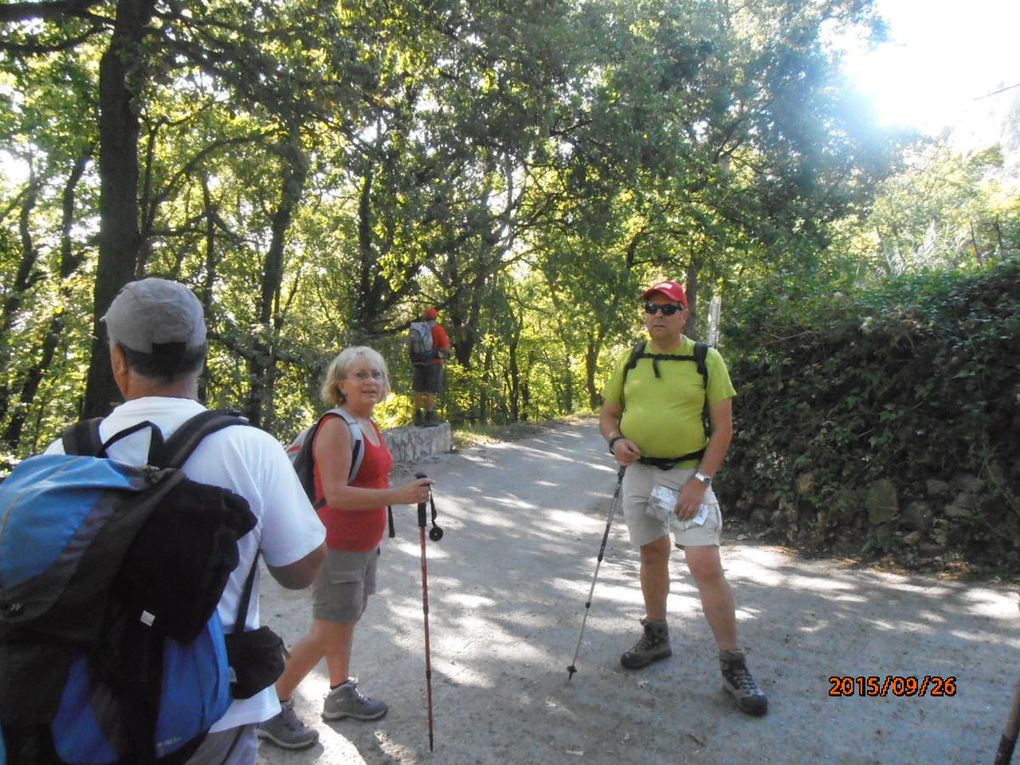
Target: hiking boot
(419,418)
(431,418)
(737,682)
(286,729)
(347,701)
(652,646)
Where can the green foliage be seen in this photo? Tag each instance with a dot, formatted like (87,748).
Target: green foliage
(916,381)
(319,172)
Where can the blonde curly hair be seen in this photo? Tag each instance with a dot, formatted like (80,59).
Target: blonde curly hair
(346,360)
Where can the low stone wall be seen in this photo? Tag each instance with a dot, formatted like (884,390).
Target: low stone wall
(411,444)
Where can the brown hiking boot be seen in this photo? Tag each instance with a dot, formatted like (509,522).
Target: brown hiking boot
(652,646)
(737,682)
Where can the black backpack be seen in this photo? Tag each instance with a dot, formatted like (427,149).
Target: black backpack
(698,357)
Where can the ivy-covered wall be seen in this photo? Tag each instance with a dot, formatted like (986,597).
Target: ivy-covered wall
(886,423)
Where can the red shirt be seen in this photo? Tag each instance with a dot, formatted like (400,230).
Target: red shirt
(440,340)
(359,530)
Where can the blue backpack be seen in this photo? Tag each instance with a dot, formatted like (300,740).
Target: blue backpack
(111,650)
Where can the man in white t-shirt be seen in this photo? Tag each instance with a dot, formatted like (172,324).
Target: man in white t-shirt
(158,347)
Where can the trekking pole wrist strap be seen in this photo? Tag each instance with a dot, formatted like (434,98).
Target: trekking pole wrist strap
(613,440)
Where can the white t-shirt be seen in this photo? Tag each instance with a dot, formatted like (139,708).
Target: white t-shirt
(249,462)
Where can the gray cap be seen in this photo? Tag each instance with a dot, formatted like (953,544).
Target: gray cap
(155,311)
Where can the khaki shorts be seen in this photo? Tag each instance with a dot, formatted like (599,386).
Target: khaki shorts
(342,587)
(638,482)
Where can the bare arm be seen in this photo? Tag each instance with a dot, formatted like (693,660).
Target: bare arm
(721,418)
(625,450)
(332,453)
(300,573)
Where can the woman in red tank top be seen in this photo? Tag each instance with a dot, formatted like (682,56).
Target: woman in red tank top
(354,514)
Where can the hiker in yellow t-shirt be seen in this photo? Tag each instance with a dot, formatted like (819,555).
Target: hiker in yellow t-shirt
(653,420)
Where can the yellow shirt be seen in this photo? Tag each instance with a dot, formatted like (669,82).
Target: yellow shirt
(663,415)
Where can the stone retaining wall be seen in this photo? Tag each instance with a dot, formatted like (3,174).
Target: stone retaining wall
(411,444)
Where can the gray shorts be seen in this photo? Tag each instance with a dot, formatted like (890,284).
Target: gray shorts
(428,378)
(638,482)
(342,587)
(234,746)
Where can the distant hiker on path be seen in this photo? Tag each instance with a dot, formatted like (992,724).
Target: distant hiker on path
(158,348)
(428,347)
(354,512)
(652,419)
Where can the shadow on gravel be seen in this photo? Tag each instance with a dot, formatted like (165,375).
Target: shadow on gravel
(523,523)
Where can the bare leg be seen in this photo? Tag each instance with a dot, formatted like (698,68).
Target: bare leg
(716,596)
(339,640)
(655,577)
(327,639)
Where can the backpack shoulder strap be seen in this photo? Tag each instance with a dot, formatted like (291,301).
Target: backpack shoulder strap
(187,437)
(82,437)
(636,353)
(700,354)
(357,442)
(245,600)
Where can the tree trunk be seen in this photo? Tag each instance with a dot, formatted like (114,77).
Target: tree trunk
(69,262)
(591,367)
(483,397)
(120,73)
(23,281)
(262,362)
(690,329)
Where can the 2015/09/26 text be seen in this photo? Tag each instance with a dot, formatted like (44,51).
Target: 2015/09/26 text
(896,685)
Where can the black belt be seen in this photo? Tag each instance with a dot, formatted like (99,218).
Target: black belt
(668,463)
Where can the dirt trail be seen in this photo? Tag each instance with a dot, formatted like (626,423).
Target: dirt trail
(507,586)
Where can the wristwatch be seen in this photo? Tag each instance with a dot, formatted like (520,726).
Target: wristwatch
(705,479)
(612,442)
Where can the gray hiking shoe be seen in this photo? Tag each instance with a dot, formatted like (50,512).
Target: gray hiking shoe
(737,682)
(652,646)
(286,729)
(347,701)
(431,419)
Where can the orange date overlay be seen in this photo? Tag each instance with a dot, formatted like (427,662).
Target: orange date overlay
(891,685)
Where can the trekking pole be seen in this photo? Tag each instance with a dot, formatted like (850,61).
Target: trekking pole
(1007,741)
(435,534)
(605,536)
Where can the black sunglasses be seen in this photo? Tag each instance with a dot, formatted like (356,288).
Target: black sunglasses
(668,309)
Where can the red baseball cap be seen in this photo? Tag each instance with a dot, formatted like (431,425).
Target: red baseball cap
(431,313)
(671,289)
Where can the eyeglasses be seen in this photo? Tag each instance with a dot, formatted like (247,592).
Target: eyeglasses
(362,375)
(668,309)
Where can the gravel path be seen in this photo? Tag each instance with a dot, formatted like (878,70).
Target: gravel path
(523,522)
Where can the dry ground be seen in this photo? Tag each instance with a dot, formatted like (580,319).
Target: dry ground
(507,587)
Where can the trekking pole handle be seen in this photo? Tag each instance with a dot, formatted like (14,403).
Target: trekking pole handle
(435,533)
(422,506)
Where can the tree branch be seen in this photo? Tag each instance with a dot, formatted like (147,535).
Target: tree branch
(55,9)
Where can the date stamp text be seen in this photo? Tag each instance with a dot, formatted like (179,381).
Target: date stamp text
(892,685)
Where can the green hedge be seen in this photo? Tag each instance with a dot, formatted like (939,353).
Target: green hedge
(885,423)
